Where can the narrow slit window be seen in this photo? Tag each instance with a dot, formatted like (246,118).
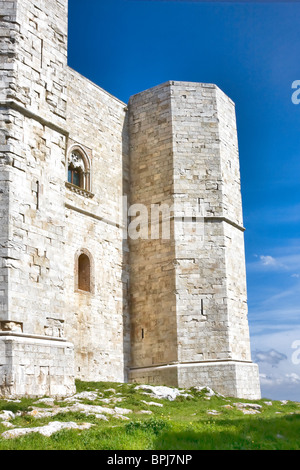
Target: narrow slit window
(84,273)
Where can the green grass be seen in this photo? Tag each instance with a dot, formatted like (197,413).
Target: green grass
(183,424)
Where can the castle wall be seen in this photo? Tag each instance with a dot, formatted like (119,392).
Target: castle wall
(39,67)
(38,359)
(171,304)
(30,158)
(4,262)
(37,219)
(236,288)
(97,322)
(200,269)
(210,274)
(153,320)
(35,45)
(188,130)
(9,30)
(48,224)
(7,45)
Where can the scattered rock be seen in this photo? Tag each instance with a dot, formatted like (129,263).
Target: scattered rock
(6,415)
(122,411)
(248,408)
(250,412)
(83,396)
(112,400)
(208,391)
(253,406)
(47,430)
(44,412)
(47,401)
(99,412)
(228,407)
(8,424)
(75,404)
(152,403)
(162,392)
(213,412)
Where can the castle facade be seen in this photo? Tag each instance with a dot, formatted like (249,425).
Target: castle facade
(122,239)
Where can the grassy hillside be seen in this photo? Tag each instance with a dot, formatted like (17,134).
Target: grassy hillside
(112,416)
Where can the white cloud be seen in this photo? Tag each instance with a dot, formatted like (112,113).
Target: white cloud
(293,378)
(282,259)
(274,318)
(272,357)
(273,352)
(273,380)
(268,260)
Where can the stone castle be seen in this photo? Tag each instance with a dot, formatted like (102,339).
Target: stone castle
(80,297)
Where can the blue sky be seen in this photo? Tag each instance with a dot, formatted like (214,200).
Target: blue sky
(251,51)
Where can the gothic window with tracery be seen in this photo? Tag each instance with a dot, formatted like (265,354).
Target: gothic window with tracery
(79,172)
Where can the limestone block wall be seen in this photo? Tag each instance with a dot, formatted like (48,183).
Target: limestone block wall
(8,33)
(33,145)
(7,45)
(98,322)
(34,357)
(230,184)
(188,293)
(5,178)
(210,271)
(35,367)
(38,35)
(238,330)
(169,304)
(45,225)
(179,288)
(200,269)
(36,224)
(233,232)
(233,379)
(152,301)
(4,271)
(32,229)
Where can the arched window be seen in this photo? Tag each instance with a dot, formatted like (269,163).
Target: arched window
(84,273)
(79,169)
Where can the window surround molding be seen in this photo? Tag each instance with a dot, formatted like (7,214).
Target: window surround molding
(86,188)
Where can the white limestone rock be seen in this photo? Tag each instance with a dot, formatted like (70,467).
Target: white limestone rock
(47,430)
(162,392)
